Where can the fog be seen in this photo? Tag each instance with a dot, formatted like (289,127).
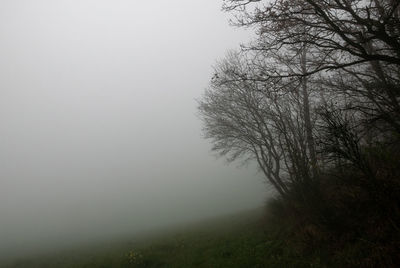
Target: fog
(99,135)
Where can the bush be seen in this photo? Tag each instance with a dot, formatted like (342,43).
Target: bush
(344,214)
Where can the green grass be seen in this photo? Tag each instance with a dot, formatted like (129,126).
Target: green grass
(235,241)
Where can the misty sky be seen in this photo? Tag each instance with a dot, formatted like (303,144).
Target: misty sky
(98,125)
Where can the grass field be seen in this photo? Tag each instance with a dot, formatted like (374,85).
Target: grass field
(240,240)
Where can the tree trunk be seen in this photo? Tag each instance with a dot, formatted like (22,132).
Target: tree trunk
(307,116)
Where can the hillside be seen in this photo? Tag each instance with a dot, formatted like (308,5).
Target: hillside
(239,240)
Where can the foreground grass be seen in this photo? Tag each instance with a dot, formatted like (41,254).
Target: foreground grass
(240,240)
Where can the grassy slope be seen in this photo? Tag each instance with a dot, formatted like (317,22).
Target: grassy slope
(234,241)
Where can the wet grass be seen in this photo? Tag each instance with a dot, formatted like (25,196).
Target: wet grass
(240,240)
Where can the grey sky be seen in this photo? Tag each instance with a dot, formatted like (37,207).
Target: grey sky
(98,121)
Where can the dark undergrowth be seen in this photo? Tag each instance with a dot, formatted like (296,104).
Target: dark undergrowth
(348,217)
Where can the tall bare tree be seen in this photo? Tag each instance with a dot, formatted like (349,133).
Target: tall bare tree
(338,29)
(266,120)
(354,45)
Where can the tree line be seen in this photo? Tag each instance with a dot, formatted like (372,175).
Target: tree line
(314,99)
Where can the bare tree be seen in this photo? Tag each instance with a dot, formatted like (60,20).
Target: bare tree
(353,45)
(372,89)
(262,120)
(337,29)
